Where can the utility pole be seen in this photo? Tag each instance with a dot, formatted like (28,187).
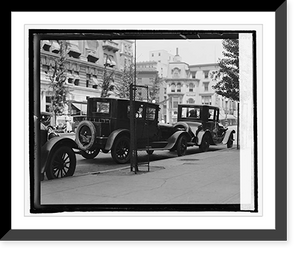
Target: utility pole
(133,141)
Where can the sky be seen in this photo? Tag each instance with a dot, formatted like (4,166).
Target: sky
(191,51)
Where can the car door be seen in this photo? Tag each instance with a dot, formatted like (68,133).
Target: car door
(139,120)
(151,122)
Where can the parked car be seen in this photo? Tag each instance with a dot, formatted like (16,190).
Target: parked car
(202,124)
(107,128)
(57,156)
(46,119)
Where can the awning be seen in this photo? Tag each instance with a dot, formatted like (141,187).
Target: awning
(55,47)
(82,107)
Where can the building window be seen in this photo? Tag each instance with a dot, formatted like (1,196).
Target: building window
(178,87)
(205,74)
(205,84)
(175,102)
(173,87)
(206,100)
(165,90)
(190,101)
(191,87)
(88,77)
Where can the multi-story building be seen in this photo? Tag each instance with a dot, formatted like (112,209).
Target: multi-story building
(162,59)
(192,84)
(87,60)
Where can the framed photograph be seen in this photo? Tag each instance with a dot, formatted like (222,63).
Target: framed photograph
(151,131)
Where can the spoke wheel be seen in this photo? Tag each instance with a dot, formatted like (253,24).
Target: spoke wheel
(121,150)
(204,144)
(181,146)
(230,141)
(85,135)
(62,163)
(90,154)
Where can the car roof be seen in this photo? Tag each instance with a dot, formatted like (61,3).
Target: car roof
(122,99)
(197,105)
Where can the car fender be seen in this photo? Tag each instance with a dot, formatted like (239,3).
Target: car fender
(200,136)
(48,148)
(172,140)
(111,138)
(227,135)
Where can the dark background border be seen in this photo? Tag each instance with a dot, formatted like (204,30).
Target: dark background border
(280,231)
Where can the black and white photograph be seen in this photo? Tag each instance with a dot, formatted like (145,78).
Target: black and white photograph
(148,126)
(145,120)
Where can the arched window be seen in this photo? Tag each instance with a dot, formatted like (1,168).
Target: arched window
(173,87)
(190,101)
(191,87)
(179,87)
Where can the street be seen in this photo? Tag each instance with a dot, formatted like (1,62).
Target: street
(104,163)
(212,177)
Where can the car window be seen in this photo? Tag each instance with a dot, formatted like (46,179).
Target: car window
(102,107)
(150,113)
(211,113)
(190,112)
(139,112)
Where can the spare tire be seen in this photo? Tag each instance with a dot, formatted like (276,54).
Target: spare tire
(85,135)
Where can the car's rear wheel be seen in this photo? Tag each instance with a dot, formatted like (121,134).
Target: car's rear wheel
(120,151)
(62,163)
(205,143)
(90,154)
(85,135)
(230,141)
(181,146)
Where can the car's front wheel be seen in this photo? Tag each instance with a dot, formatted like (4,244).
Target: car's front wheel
(181,146)
(204,144)
(62,163)
(120,151)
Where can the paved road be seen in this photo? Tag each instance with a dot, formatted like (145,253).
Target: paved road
(198,178)
(104,162)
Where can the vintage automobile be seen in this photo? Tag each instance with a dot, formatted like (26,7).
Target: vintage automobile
(202,124)
(57,156)
(107,128)
(46,118)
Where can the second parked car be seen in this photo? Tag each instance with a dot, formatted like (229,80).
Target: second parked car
(107,128)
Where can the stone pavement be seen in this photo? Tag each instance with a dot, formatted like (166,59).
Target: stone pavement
(202,178)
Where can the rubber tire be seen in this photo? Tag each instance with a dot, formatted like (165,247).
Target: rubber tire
(116,146)
(90,154)
(92,130)
(58,156)
(204,143)
(230,141)
(181,145)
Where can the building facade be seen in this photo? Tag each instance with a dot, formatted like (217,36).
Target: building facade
(85,66)
(193,84)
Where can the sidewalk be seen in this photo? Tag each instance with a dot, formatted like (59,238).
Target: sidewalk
(203,178)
